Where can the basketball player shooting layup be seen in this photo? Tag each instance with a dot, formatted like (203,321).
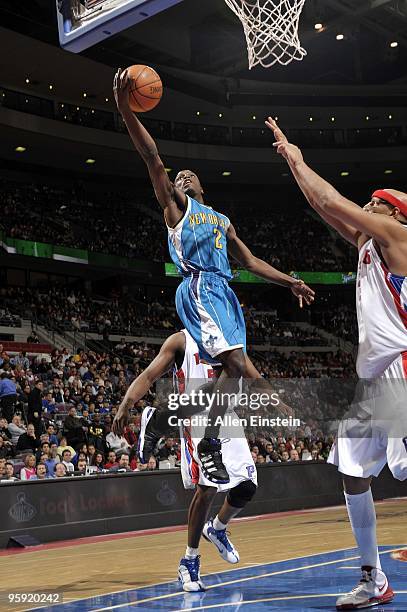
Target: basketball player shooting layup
(379,231)
(198,240)
(180,353)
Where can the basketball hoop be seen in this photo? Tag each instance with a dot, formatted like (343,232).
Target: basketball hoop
(271,30)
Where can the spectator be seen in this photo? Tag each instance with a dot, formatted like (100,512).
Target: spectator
(168,450)
(43,450)
(34,412)
(60,470)
(2,467)
(123,465)
(81,467)
(73,428)
(33,338)
(111,460)
(28,440)
(16,429)
(8,396)
(98,461)
(294,456)
(53,439)
(4,432)
(41,472)
(6,449)
(9,472)
(285,456)
(260,459)
(28,471)
(63,445)
(66,460)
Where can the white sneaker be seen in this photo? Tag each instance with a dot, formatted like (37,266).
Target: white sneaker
(189,575)
(219,537)
(372,590)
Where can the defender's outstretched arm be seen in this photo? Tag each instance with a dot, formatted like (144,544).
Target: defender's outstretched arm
(323,196)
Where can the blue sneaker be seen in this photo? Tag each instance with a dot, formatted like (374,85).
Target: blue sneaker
(189,575)
(219,537)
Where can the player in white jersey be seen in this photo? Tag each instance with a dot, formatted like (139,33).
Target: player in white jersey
(379,419)
(180,353)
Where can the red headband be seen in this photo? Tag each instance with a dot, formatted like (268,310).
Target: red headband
(391,199)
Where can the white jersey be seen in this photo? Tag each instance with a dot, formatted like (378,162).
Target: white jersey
(381,302)
(236,455)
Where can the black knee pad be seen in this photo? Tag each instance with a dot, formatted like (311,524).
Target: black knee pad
(240,495)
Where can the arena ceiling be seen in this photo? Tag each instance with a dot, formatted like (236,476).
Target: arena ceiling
(206,37)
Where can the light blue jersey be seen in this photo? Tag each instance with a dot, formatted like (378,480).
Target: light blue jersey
(198,242)
(207,306)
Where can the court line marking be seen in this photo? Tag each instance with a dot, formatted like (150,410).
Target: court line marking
(254,601)
(245,579)
(235,569)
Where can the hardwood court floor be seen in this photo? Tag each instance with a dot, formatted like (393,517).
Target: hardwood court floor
(85,568)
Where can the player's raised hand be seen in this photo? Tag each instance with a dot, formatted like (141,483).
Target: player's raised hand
(303,292)
(289,151)
(121,84)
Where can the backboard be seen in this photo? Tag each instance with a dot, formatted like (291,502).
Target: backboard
(83,23)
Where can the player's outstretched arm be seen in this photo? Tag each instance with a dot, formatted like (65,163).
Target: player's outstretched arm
(257,266)
(171,199)
(324,197)
(140,386)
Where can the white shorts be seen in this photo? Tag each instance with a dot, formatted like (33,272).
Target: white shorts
(236,457)
(375,431)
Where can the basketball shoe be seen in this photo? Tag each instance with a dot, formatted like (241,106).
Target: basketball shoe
(210,456)
(189,574)
(219,537)
(372,590)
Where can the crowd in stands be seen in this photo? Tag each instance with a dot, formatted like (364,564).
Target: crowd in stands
(340,321)
(61,309)
(57,411)
(74,217)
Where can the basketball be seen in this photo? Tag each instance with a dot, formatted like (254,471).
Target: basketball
(146,88)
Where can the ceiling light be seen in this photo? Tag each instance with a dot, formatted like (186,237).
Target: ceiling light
(198,113)
(332,118)
(276,118)
(340,37)
(344,173)
(226,173)
(318,26)
(20,149)
(388,171)
(51,87)
(390,116)
(311,118)
(93,111)
(220,115)
(27,80)
(367,117)
(90,161)
(84,94)
(254,117)
(394,44)
(106,99)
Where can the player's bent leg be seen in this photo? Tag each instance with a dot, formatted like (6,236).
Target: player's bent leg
(209,448)
(215,529)
(373,588)
(154,425)
(189,566)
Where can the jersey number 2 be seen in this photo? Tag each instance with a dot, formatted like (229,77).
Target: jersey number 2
(218,236)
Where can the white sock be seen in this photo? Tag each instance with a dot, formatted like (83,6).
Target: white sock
(362,516)
(217,524)
(191,553)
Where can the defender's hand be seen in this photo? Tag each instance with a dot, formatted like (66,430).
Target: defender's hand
(303,292)
(289,151)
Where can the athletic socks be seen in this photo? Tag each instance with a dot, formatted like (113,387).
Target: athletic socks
(362,516)
(217,524)
(191,553)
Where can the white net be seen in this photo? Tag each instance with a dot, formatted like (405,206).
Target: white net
(271,30)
